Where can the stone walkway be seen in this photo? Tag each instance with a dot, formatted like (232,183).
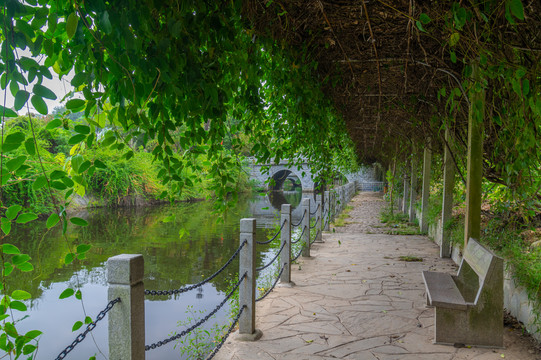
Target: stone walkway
(355,299)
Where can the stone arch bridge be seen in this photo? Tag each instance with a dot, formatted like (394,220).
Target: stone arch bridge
(284,171)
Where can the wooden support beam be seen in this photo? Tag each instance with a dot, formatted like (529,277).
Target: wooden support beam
(413,181)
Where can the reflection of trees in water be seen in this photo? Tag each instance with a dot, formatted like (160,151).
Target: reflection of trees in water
(171,260)
(277,198)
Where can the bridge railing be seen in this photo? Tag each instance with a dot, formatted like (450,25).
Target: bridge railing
(126,293)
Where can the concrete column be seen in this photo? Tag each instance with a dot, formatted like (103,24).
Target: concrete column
(285,237)
(427,162)
(305,226)
(447,205)
(405,200)
(319,215)
(413,187)
(247,330)
(127,318)
(475,161)
(327,219)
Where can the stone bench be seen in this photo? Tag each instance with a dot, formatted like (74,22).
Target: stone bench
(469,306)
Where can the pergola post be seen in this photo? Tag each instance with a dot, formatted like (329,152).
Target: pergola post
(405,199)
(413,181)
(447,204)
(475,160)
(427,162)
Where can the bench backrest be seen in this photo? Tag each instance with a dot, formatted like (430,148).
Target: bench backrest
(477,267)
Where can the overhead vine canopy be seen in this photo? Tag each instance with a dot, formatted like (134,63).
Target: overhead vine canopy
(399,70)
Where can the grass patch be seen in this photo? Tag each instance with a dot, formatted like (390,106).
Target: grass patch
(393,216)
(341,219)
(409,258)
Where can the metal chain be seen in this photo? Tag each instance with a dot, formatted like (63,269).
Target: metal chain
(88,329)
(194,286)
(315,237)
(300,237)
(317,220)
(200,322)
(315,211)
(274,237)
(224,338)
(297,256)
(275,257)
(300,221)
(272,287)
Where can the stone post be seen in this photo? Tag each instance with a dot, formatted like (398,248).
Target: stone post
(427,162)
(127,318)
(413,192)
(327,219)
(475,161)
(447,204)
(247,330)
(319,218)
(405,200)
(306,227)
(285,237)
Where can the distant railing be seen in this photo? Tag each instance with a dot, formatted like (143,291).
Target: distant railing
(126,293)
(374,186)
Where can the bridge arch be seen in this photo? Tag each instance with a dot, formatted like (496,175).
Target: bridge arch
(280,174)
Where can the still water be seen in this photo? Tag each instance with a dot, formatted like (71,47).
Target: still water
(181,244)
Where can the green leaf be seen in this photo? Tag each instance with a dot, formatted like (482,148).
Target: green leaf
(71,24)
(69,258)
(10,330)
(52,220)
(419,26)
(77,326)
(26,217)
(78,295)
(54,124)
(82,129)
(517,9)
(453,57)
(20,259)
(15,138)
(66,293)
(32,334)
(78,80)
(75,104)
(40,182)
(79,222)
(20,295)
(25,267)
(8,268)
(453,40)
(20,99)
(7,112)
(30,147)
(99,164)
(10,249)
(58,174)
(75,139)
(39,104)
(88,320)
(84,166)
(105,24)
(12,211)
(29,349)
(17,305)
(16,163)
(525,87)
(44,92)
(425,19)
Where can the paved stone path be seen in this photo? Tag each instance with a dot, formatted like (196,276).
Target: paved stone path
(355,299)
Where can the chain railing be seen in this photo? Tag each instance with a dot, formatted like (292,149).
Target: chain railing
(79,339)
(274,237)
(200,322)
(125,276)
(195,286)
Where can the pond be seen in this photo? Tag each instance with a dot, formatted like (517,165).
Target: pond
(181,244)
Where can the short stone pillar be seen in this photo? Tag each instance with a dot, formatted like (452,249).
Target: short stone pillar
(285,238)
(127,318)
(327,213)
(247,330)
(319,218)
(305,225)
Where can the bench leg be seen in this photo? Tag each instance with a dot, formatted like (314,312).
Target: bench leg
(471,327)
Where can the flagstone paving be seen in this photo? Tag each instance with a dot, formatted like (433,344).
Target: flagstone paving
(355,299)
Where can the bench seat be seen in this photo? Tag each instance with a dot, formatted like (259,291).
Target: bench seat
(442,291)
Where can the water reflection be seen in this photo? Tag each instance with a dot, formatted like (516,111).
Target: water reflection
(181,244)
